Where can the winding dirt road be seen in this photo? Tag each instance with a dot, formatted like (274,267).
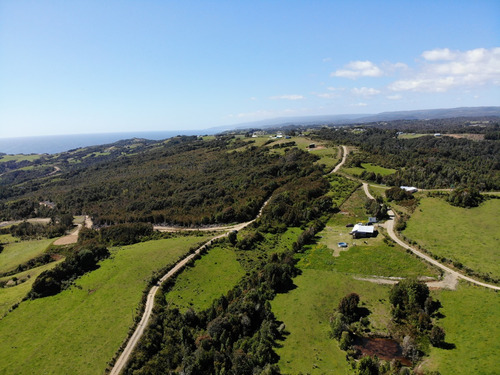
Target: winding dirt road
(134,339)
(451,276)
(389,225)
(344,158)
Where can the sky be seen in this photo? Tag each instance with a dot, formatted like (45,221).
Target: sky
(72,67)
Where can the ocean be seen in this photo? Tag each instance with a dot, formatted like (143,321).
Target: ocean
(58,143)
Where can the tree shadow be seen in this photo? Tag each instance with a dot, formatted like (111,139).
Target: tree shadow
(447,346)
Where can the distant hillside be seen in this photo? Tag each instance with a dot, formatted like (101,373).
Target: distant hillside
(345,119)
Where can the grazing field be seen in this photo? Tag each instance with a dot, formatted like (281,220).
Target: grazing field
(470,236)
(19,157)
(306,310)
(14,294)
(79,330)
(471,325)
(17,253)
(210,277)
(412,135)
(368,167)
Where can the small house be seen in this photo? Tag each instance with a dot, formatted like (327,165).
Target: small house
(409,189)
(363,231)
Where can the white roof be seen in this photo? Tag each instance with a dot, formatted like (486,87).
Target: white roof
(363,228)
(409,188)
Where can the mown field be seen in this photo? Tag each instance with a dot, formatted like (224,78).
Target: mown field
(210,277)
(79,330)
(368,167)
(471,324)
(16,253)
(470,236)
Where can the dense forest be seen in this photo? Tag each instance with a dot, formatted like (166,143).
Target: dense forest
(184,181)
(426,161)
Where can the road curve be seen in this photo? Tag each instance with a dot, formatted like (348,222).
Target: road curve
(344,158)
(134,339)
(367,192)
(389,225)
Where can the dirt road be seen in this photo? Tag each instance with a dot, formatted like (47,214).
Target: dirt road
(73,236)
(451,276)
(134,339)
(367,192)
(344,158)
(389,225)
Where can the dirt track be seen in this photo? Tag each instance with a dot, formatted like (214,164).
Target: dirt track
(73,236)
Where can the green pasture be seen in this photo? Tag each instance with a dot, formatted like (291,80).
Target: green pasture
(19,157)
(17,253)
(14,294)
(210,277)
(470,236)
(412,135)
(363,257)
(369,167)
(79,330)
(306,311)
(471,325)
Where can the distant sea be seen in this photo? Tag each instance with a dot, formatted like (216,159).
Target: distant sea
(58,143)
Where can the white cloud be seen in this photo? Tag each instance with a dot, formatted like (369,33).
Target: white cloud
(445,69)
(365,91)
(395,97)
(360,105)
(287,97)
(335,88)
(356,69)
(438,54)
(327,95)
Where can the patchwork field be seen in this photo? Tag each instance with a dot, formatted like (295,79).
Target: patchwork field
(79,330)
(470,236)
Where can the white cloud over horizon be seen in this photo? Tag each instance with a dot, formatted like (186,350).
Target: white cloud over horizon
(444,69)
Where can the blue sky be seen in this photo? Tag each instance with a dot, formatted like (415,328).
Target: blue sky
(70,67)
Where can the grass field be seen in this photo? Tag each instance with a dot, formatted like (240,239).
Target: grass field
(368,167)
(17,253)
(14,294)
(79,330)
(471,324)
(212,276)
(412,135)
(325,279)
(20,157)
(305,311)
(470,236)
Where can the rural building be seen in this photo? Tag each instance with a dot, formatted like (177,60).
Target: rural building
(410,189)
(363,231)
